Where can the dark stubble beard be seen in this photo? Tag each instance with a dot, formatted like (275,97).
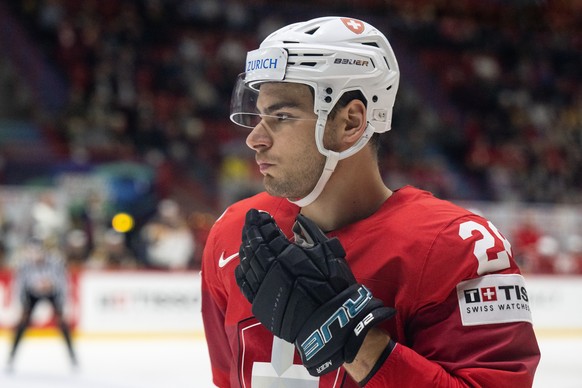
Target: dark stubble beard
(298,182)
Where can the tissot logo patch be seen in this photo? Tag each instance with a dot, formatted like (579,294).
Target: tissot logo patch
(493,299)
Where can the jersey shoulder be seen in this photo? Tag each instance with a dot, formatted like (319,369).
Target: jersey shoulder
(414,214)
(448,236)
(420,206)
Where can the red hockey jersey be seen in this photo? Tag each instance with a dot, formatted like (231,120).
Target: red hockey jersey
(462,317)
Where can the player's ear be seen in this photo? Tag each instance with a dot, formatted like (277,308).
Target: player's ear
(355,122)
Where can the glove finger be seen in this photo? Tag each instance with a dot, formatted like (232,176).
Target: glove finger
(239,275)
(249,221)
(257,218)
(262,262)
(335,248)
(278,244)
(270,231)
(252,236)
(285,302)
(243,284)
(245,255)
(252,281)
(265,233)
(270,300)
(296,261)
(247,279)
(340,275)
(253,217)
(253,220)
(259,257)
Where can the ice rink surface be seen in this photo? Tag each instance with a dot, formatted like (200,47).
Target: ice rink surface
(183,363)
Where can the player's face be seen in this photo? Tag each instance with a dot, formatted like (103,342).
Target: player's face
(284,140)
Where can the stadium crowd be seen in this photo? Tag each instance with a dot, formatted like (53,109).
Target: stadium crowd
(490,106)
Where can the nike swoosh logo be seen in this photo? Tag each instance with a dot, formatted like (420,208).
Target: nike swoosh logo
(222,261)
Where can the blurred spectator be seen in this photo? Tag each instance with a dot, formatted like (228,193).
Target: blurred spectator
(489,122)
(524,241)
(548,250)
(41,275)
(89,225)
(50,222)
(518,112)
(570,260)
(490,110)
(76,248)
(111,252)
(169,242)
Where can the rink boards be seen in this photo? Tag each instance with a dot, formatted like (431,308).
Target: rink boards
(154,303)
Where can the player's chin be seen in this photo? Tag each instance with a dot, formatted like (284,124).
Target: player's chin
(277,189)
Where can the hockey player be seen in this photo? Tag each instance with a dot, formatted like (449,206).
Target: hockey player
(40,276)
(339,281)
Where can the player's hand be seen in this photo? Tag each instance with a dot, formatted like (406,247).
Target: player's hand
(262,241)
(309,296)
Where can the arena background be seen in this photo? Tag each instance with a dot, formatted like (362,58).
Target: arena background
(114,141)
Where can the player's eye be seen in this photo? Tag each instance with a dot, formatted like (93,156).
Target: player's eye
(282,116)
(277,119)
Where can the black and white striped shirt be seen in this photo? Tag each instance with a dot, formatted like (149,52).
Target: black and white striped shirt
(43,277)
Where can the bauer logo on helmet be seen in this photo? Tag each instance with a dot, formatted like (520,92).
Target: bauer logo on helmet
(351,61)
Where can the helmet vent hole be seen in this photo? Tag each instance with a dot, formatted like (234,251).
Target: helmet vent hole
(373,44)
(311,32)
(312,64)
(375,98)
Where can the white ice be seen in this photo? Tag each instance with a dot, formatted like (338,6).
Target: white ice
(107,363)
(183,363)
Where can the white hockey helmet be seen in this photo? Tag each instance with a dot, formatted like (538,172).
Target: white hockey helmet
(332,55)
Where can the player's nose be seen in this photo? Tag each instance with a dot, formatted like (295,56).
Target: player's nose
(259,137)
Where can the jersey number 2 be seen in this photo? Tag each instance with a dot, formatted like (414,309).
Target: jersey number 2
(489,237)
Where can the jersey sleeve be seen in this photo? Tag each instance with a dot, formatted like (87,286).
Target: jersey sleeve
(213,314)
(470,324)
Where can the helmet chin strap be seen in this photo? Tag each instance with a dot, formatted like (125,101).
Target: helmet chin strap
(332,158)
(328,169)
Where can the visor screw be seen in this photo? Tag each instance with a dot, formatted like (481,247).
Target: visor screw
(375,98)
(329,91)
(327,99)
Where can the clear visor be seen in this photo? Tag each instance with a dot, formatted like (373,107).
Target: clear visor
(244,111)
(243,103)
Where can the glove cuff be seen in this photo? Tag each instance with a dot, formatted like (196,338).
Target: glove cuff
(374,317)
(337,330)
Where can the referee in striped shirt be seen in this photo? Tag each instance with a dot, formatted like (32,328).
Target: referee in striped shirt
(41,276)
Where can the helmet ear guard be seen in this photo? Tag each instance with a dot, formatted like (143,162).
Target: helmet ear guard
(332,55)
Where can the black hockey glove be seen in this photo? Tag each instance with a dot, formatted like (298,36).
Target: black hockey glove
(307,294)
(262,241)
